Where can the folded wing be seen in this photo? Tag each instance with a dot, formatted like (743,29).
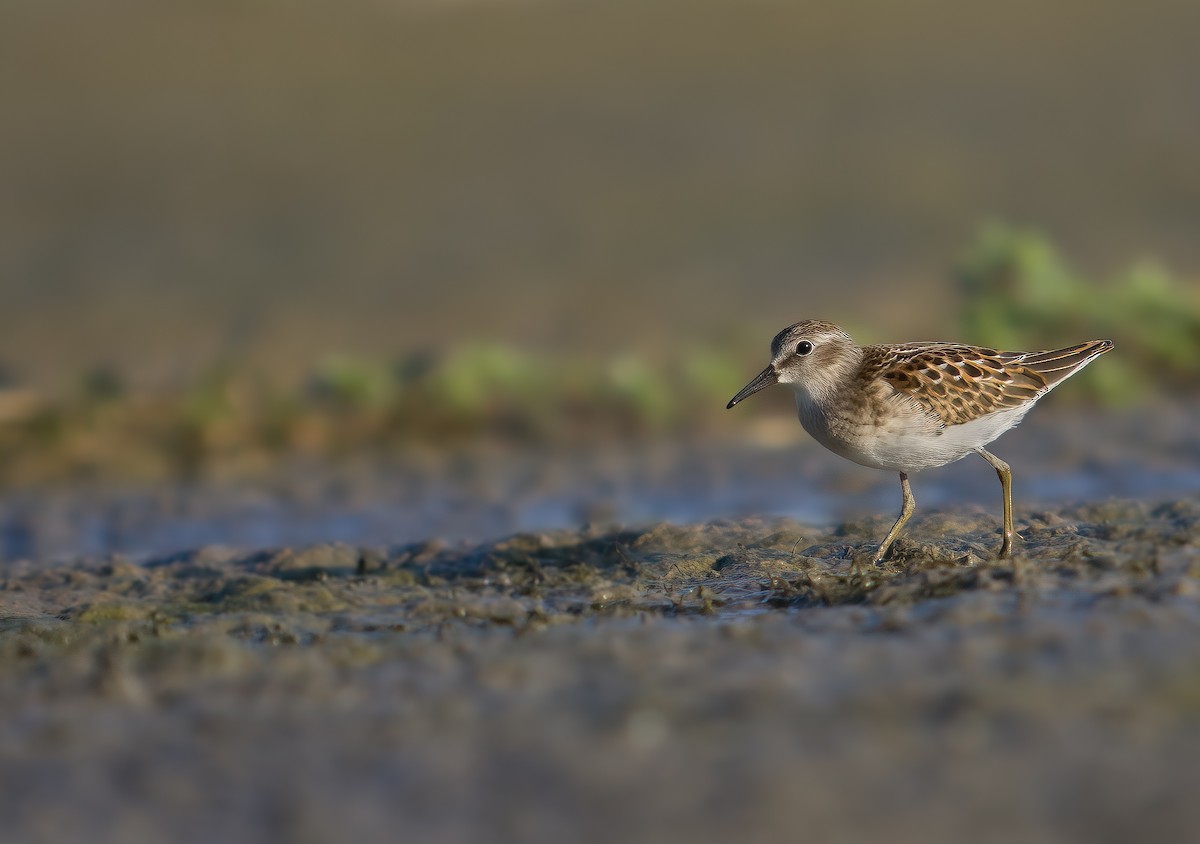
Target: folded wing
(959,383)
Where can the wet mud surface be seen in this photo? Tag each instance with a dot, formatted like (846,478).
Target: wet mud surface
(723,680)
(1061,454)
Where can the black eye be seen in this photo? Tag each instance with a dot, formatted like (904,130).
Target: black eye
(803,347)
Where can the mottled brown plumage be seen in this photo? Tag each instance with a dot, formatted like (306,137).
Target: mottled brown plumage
(913,406)
(960,383)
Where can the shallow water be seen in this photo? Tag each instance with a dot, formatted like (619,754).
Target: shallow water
(1057,457)
(726,680)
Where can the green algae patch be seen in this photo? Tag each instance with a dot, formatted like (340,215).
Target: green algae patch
(111,611)
(269,594)
(317,562)
(247,588)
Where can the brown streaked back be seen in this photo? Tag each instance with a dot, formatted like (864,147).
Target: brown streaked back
(959,383)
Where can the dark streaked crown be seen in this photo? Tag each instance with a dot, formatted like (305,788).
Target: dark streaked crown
(809,329)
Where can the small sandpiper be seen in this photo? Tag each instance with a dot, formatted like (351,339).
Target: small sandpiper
(905,407)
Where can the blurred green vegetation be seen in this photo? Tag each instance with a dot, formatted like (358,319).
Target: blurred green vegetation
(1018,292)
(232,420)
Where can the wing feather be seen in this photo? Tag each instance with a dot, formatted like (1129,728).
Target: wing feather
(959,383)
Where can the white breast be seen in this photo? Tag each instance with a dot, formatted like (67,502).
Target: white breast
(908,442)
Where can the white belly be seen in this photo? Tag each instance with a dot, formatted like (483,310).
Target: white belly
(908,442)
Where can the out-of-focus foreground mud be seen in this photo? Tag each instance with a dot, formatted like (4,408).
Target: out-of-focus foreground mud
(698,682)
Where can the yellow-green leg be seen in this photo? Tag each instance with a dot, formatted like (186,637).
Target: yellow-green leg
(906,510)
(1005,474)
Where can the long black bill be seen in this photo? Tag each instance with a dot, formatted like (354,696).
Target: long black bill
(764,379)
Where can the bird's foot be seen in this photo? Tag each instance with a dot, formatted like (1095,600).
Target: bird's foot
(860,569)
(880,555)
(1006,545)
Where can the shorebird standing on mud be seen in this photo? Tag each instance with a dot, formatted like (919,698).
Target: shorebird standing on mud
(905,407)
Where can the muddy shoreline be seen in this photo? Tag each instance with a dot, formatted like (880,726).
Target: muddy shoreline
(703,681)
(1061,455)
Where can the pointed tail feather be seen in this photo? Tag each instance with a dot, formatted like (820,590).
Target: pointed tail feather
(1060,364)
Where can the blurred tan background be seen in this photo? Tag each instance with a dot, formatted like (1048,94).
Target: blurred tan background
(344,346)
(273,181)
